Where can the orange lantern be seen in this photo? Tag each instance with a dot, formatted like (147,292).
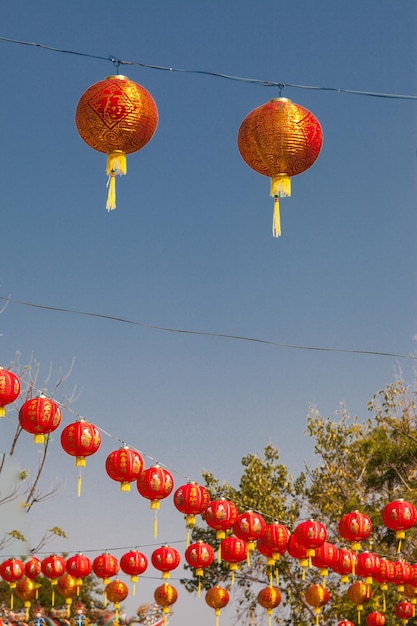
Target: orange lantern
(67,587)
(399,516)
(124,466)
(317,596)
(133,563)
(375,619)
(165,596)
(40,416)
(79,566)
(80,439)
(249,526)
(116,116)
(165,559)
(116,591)
(405,611)
(11,571)
(217,598)
(199,555)
(269,598)
(279,139)
(355,527)
(155,483)
(9,389)
(53,567)
(359,593)
(26,590)
(191,500)
(105,566)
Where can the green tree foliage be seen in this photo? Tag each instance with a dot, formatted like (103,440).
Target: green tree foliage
(361,465)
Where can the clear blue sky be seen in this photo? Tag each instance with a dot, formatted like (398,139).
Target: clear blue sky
(189,245)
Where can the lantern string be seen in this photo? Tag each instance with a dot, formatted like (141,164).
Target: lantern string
(255,81)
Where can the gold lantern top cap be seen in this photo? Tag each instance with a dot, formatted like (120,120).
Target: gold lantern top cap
(280,100)
(117,77)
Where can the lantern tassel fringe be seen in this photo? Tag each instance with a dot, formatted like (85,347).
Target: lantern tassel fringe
(116,166)
(281,186)
(276,220)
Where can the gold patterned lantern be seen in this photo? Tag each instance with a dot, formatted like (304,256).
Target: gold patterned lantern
(68,588)
(280,139)
(165,596)
(217,598)
(116,116)
(26,590)
(116,591)
(269,598)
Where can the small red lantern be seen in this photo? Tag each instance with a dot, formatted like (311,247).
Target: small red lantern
(133,563)
(233,551)
(249,526)
(273,543)
(116,591)
(404,574)
(11,571)
(9,389)
(346,622)
(298,552)
(155,483)
(326,556)
(355,527)
(199,555)
(367,565)
(221,515)
(124,466)
(217,598)
(399,516)
(116,116)
(191,500)
(405,611)
(105,566)
(79,566)
(269,598)
(280,139)
(165,596)
(165,559)
(311,535)
(317,596)
(33,568)
(53,567)
(40,416)
(345,565)
(67,587)
(80,439)
(375,619)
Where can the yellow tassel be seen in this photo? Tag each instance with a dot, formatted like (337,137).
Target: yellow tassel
(111,196)
(199,586)
(79,484)
(12,600)
(116,166)
(276,221)
(155,525)
(53,597)
(134,589)
(281,186)
(217,613)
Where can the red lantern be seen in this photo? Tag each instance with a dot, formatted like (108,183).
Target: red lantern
(273,542)
(355,527)
(11,571)
(346,622)
(80,439)
(199,555)
(386,573)
(375,619)
(345,564)
(80,567)
(53,567)
(221,515)
(403,574)
(155,483)
(9,389)
(191,500)
(311,535)
(405,611)
(326,556)
(233,551)
(367,565)
(40,416)
(33,568)
(133,563)
(116,116)
(105,566)
(165,559)
(317,596)
(298,552)
(116,591)
(279,139)
(165,596)
(124,466)
(249,526)
(399,516)
(217,598)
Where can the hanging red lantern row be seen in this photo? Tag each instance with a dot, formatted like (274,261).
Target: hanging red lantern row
(11,571)
(116,591)
(53,567)
(367,566)
(165,559)
(198,556)
(399,516)
(191,500)
(105,566)
(124,466)
(310,535)
(280,139)
(117,117)
(133,563)
(217,598)
(80,439)
(79,566)
(233,551)
(9,389)
(165,596)
(249,526)
(39,417)
(355,527)
(317,596)
(155,483)
(269,598)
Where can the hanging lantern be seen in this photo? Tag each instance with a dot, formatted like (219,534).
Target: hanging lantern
(33,568)
(191,500)
(359,593)
(124,466)
(116,591)
(399,516)
(385,574)
(269,598)
(279,139)
(311,535)
(199,555)
(367,566)
(26,590)
(346,622)
(217,598)
(165,596)
(220,515)
(272,544)
(326,556)
(80,439)
(11,571)
(105,566)
(117,117)
(317,596)
(375,619)
(345,565)
(404,610)
(67,587)
(298,552)
(155,483)
(410,592)
(355,527)
(9,389)
(79,566)
(249,526)
(165,559)
(133,563)
(233,551)
(53,567)
(40,416)
(404,574)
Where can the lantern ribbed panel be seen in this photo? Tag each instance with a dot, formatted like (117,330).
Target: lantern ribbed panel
(217,597)
(269,597)
(116,591)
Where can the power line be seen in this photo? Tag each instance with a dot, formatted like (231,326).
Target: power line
(208,333)
(254,81)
